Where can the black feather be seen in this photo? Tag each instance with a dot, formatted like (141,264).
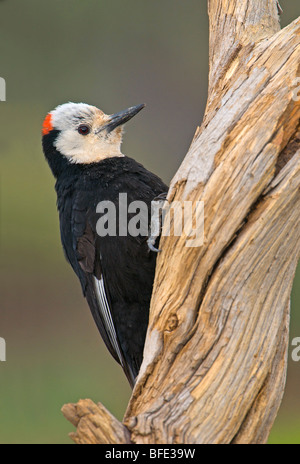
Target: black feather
(124,264)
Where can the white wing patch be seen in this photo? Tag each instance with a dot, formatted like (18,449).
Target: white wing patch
(107,319)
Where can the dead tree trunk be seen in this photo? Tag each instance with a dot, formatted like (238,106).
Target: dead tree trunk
(216,351)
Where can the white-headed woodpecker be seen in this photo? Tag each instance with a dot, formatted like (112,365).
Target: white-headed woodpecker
(83,148)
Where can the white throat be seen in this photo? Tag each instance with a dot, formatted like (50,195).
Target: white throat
(91,149)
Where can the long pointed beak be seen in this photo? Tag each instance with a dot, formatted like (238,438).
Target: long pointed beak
(121,118)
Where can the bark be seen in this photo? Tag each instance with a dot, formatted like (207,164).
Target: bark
(95,425)
(216,350)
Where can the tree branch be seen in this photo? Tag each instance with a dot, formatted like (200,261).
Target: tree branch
(234,25)
(94,424)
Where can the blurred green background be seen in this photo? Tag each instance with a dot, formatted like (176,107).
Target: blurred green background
(112,54)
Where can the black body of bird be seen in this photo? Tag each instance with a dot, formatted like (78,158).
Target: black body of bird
(116,272)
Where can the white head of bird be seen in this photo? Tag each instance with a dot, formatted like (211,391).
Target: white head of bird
(85,133)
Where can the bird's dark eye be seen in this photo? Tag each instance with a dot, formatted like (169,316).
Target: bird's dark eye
(83,129)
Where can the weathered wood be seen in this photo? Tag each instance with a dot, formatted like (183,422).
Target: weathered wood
(216,351)
(235,25)
(95,424)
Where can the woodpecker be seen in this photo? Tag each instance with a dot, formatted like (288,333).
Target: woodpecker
(82,145)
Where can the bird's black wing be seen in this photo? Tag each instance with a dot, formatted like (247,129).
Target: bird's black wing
(88,256)
(116,272)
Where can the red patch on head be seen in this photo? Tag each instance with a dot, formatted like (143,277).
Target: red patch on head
(47,126)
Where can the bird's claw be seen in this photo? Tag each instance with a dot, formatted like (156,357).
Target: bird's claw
(156,221)
(280,10)
(151,241)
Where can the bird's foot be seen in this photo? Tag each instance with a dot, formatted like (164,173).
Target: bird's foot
(151,242)
(156,221)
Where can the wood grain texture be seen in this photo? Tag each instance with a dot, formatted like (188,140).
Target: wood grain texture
(235,25)
(95,424)
(216,350)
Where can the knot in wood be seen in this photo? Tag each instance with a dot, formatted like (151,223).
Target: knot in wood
(172,323)
(131,423)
